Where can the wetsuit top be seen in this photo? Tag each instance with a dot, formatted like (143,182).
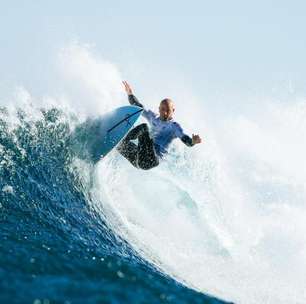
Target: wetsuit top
(163,131)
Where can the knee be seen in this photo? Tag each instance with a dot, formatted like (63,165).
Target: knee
(145,167)
(144,127)
(148,165)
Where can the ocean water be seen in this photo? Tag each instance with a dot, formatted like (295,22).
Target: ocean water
(221,222)
(56,247)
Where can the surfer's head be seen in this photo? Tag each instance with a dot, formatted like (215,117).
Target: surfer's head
(166,109)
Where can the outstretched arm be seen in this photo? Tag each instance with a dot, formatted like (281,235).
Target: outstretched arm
(187,140)
(191,141)
(132,99)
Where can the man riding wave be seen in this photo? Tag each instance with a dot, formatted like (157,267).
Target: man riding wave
(149,150)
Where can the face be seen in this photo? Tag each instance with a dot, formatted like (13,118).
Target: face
(166,110)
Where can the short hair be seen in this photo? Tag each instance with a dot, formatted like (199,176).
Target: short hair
(168,100)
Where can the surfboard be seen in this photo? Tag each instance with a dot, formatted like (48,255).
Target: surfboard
(115,125)
(95,138)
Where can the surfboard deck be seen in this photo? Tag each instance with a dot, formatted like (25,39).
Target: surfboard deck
(95,138)
(115,125)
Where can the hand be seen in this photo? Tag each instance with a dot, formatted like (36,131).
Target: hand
(196,139)
(127,88)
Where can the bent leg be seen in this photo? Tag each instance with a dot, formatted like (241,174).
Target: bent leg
(136,132)
(142,156)
(129,150)
(147,158)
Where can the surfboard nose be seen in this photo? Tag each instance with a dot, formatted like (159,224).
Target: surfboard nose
(95,138)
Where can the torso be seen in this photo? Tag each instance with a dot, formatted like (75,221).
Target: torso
(163,133)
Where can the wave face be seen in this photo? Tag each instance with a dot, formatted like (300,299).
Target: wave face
(225,218)
(54,245)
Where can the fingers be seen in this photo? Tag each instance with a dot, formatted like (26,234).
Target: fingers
(127,87)
(196,138)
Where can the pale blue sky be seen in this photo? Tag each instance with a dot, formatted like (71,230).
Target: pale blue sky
(226,47)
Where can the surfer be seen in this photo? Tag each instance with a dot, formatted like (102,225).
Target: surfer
(147,153)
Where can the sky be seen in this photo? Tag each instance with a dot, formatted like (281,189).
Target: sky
(223,50)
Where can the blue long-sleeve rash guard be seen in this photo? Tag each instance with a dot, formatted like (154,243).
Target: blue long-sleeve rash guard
(163,131)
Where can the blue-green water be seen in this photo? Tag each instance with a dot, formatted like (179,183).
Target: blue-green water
(55,248)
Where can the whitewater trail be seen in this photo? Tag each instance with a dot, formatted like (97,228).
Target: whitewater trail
(226,217)
(194,221)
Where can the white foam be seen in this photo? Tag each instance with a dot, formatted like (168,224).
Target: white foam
(226,217)
(229,228)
